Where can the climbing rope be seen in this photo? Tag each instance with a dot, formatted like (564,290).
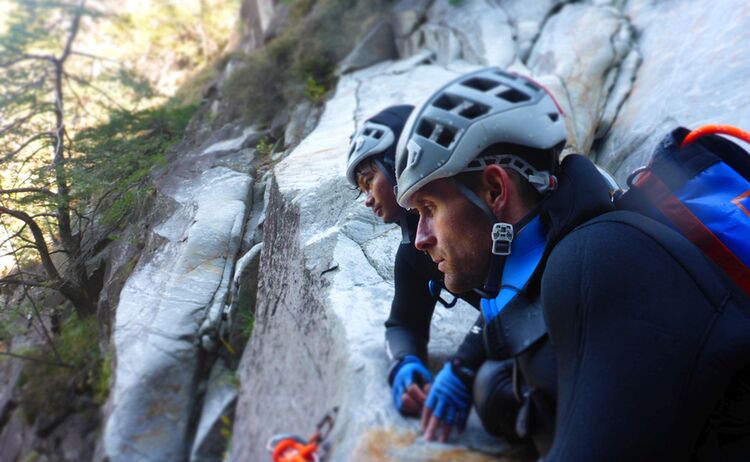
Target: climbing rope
(718,129)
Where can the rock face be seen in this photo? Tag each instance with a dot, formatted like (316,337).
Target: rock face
(620,70)
(171,308)
(691,78)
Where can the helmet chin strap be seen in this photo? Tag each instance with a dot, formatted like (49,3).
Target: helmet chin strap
(502,238)
(402,215)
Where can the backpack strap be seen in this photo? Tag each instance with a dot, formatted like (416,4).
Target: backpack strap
(661,197)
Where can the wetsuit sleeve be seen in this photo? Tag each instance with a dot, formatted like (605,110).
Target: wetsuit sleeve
(407,329)
(471,352)
(627,322)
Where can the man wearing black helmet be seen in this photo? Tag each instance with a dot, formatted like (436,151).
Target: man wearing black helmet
(370,168)
(623,334)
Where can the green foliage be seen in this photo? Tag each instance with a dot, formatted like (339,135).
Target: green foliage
(314,90)
(117,158)
(50,387)
(247,322)
(11,323)
(101,381)
(264,147)
(32,456)
(300,62)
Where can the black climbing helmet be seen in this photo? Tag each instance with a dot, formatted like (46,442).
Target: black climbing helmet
(377,138)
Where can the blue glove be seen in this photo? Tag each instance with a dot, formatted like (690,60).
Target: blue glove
(450,398)
(410,370)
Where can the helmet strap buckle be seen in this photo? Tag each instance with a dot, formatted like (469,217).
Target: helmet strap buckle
(502,237)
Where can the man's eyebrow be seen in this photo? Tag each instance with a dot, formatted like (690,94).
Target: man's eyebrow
(363,171)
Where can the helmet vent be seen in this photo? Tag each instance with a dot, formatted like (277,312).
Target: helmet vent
(464,108)
(374,133)
(513,96)
(425,129)
(438,133)
(445,136)
(480,84)
(447,102)
(474,110)
(553,116)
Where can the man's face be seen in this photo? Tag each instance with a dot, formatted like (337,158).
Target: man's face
(378,192)
(455,233)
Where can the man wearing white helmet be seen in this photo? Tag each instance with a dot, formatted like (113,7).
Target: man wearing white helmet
(618,326)
(370,168)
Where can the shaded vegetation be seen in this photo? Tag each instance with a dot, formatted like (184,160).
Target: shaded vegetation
(117,158)
(73,376)
(300,62)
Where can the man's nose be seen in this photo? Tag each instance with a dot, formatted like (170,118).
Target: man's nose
(425,237)
(369,200)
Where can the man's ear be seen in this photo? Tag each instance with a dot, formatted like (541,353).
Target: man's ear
(496,182)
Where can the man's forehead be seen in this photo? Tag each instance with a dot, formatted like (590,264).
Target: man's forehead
(364,168)
(442,188)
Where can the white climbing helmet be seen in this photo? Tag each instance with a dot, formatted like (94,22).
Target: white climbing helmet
(377,139)
(373,138)
(489,106)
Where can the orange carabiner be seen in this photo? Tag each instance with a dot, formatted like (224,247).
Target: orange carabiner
(290,450)
(716,129)
(287,447)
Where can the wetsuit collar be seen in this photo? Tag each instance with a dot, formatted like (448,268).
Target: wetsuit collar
(520,265)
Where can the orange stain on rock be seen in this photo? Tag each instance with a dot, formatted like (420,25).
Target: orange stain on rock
(386,445)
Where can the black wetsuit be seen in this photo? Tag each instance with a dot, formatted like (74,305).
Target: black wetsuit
(408,332)
(644,331)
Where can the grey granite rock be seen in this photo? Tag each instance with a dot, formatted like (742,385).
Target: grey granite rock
(173,302)
(406,17)
(216,415)
(584,47)
(695,71)
(377,45)
(473,30)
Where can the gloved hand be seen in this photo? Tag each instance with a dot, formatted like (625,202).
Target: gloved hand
(410,371)
(448,404)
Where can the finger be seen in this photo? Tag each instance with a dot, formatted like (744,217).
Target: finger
(417,394)
(461,419)
(432,427)
(449,415)
(435,421)
(440,410)
(408,405)
(427,388)
(397,395)
(445,432)
(426,416)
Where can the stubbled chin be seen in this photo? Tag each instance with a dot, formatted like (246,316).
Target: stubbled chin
(459,285)
(389,219)
(453,285)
